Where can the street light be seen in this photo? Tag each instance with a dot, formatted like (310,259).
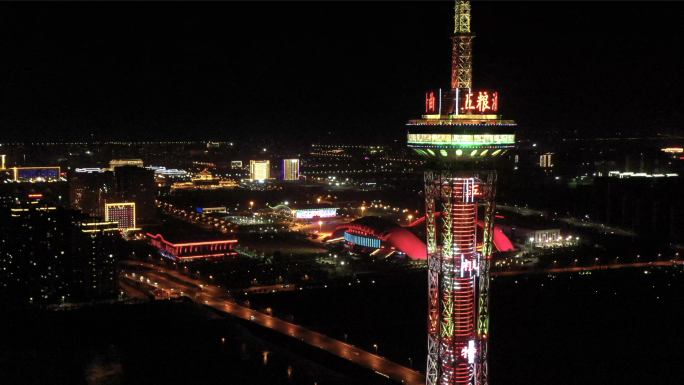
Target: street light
(345,338)
(409,218)
(411,363)
(362,208)
(319,200)
(376,349)
(320,226)
(250,206)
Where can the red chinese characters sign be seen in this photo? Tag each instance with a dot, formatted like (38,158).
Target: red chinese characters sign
(430,105)
(479,101)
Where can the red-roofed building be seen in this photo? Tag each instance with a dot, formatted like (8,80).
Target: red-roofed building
(184,251)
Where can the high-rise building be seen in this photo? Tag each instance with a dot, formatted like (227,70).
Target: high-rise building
(463,141)
(89,190)
(51,255)
(259,169)
(122,213)
(290,169)
(135,184)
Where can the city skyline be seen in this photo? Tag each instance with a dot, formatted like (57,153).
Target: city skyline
(154,75)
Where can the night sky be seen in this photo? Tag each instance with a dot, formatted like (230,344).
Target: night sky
(227,71)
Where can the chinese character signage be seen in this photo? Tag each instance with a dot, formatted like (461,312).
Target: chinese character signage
(430,103)
(470,190)
(478,102)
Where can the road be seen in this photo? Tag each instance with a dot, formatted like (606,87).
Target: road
(214,296)
(580,268)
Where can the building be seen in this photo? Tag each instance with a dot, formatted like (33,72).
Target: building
(259,169)
(184,251)
(380,237)
(306,212)
(204,181)
(51,255)
(114,163)
(290,169)
(94,271)
(90,189)
(37,174)
(383,238)
(2,162)
(135,184)
(545,160)
(236,164)
(122,213)
(209,210)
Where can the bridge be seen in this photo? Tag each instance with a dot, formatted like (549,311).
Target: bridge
(213,296)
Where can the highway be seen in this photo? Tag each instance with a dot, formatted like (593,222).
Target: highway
(214,296)
(580,268)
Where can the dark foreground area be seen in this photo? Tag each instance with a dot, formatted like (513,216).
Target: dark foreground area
(160,342)
(611,326)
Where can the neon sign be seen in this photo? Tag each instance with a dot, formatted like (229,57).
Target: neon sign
(470,190)
(430,102)
(481,101)
(469,352)
(469,266)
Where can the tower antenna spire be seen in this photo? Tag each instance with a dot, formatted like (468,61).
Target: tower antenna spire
(462,50)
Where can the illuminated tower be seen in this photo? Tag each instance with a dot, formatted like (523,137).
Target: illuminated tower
(464,141)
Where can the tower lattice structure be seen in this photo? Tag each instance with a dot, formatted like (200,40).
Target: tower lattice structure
(464,143)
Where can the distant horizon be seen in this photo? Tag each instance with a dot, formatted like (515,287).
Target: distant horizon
(233,70)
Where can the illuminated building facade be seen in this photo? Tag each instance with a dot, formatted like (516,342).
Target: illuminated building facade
(290,169)
(462,139)
(545,160)
(352,238)
(209,210)
(114,163)
(259,169)
(317,211)
(123,213)
(36,174)
(327,212)
(187,251)
(2,162)
(204,181)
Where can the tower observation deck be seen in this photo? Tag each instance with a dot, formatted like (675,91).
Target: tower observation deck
(465,142)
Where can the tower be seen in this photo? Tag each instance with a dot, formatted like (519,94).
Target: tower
(464,142)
